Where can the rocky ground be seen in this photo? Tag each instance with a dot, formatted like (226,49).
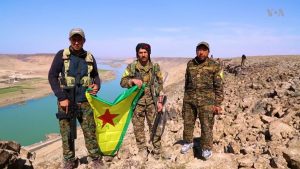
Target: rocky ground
(260,127)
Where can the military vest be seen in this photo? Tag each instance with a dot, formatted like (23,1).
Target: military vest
(72,70)
(152,82)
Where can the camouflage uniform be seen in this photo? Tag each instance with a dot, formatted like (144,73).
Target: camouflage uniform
(203,90)
(145,107)
(86,120)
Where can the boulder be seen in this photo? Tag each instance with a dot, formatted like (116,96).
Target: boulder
(10,156)
(292,156)
(4,157)
(246,161)
(279,130)
(10,145)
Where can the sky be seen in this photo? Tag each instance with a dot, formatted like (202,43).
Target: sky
(172,28)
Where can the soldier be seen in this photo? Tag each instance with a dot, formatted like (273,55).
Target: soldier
(142,71)
(203,94)
(243,60)
(74,69)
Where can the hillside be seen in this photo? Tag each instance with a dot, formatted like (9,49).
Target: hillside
(260,127)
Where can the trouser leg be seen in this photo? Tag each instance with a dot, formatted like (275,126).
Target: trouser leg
(189,118)
(206,117)
(138,121)
(88,126)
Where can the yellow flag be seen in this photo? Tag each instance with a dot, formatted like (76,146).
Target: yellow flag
(112,119)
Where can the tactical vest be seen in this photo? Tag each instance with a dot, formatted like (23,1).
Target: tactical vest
(153,80)
(69,81)
(133,65)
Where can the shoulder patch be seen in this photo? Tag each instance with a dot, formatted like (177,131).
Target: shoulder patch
(126,73)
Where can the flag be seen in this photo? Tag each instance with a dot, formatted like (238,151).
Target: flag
(112,119)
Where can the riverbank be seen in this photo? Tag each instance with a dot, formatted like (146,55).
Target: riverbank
(24,77)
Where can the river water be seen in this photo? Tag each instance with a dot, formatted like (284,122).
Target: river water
(29,122)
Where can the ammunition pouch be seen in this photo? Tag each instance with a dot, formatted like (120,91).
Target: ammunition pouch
(69,81)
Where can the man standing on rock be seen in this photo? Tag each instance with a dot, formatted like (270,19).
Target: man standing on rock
(73,70)
(203,95)
(142,71)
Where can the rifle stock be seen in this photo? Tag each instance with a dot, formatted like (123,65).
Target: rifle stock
(160,120)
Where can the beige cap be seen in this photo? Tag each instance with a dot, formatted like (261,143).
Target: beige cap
(75,31)
(204,44)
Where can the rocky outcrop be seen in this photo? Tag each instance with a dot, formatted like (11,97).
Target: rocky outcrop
(261,112)
(13,156)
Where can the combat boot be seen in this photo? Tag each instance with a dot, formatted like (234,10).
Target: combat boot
(98,163)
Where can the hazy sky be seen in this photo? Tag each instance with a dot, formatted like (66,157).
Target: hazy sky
(173,28)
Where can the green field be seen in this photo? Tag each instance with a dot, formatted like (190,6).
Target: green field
(19,87)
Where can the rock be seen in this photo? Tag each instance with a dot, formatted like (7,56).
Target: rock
(173,127)
(246,161)
(292,156)
(278,130)
(4,157)
(217,161)
(255,86)
(285,85)
(257,123)
(260,106)
(278,162)
(233,147)
(294,143)
(10,145)
(271,94)
(26,154)
(246,103)
(10,156)
(248,150)
(262,162)
(267,119)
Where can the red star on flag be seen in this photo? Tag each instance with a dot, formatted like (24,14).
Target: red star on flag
(107,118)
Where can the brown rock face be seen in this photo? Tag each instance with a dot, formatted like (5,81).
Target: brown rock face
(10,156)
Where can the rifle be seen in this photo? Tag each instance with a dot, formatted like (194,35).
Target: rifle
(71,115)
(160,120)
(160,117)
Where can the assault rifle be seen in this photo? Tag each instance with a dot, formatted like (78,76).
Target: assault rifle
(71,113)
(160,121)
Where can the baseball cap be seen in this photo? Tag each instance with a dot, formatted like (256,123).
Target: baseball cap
(75,31)
(204,44)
